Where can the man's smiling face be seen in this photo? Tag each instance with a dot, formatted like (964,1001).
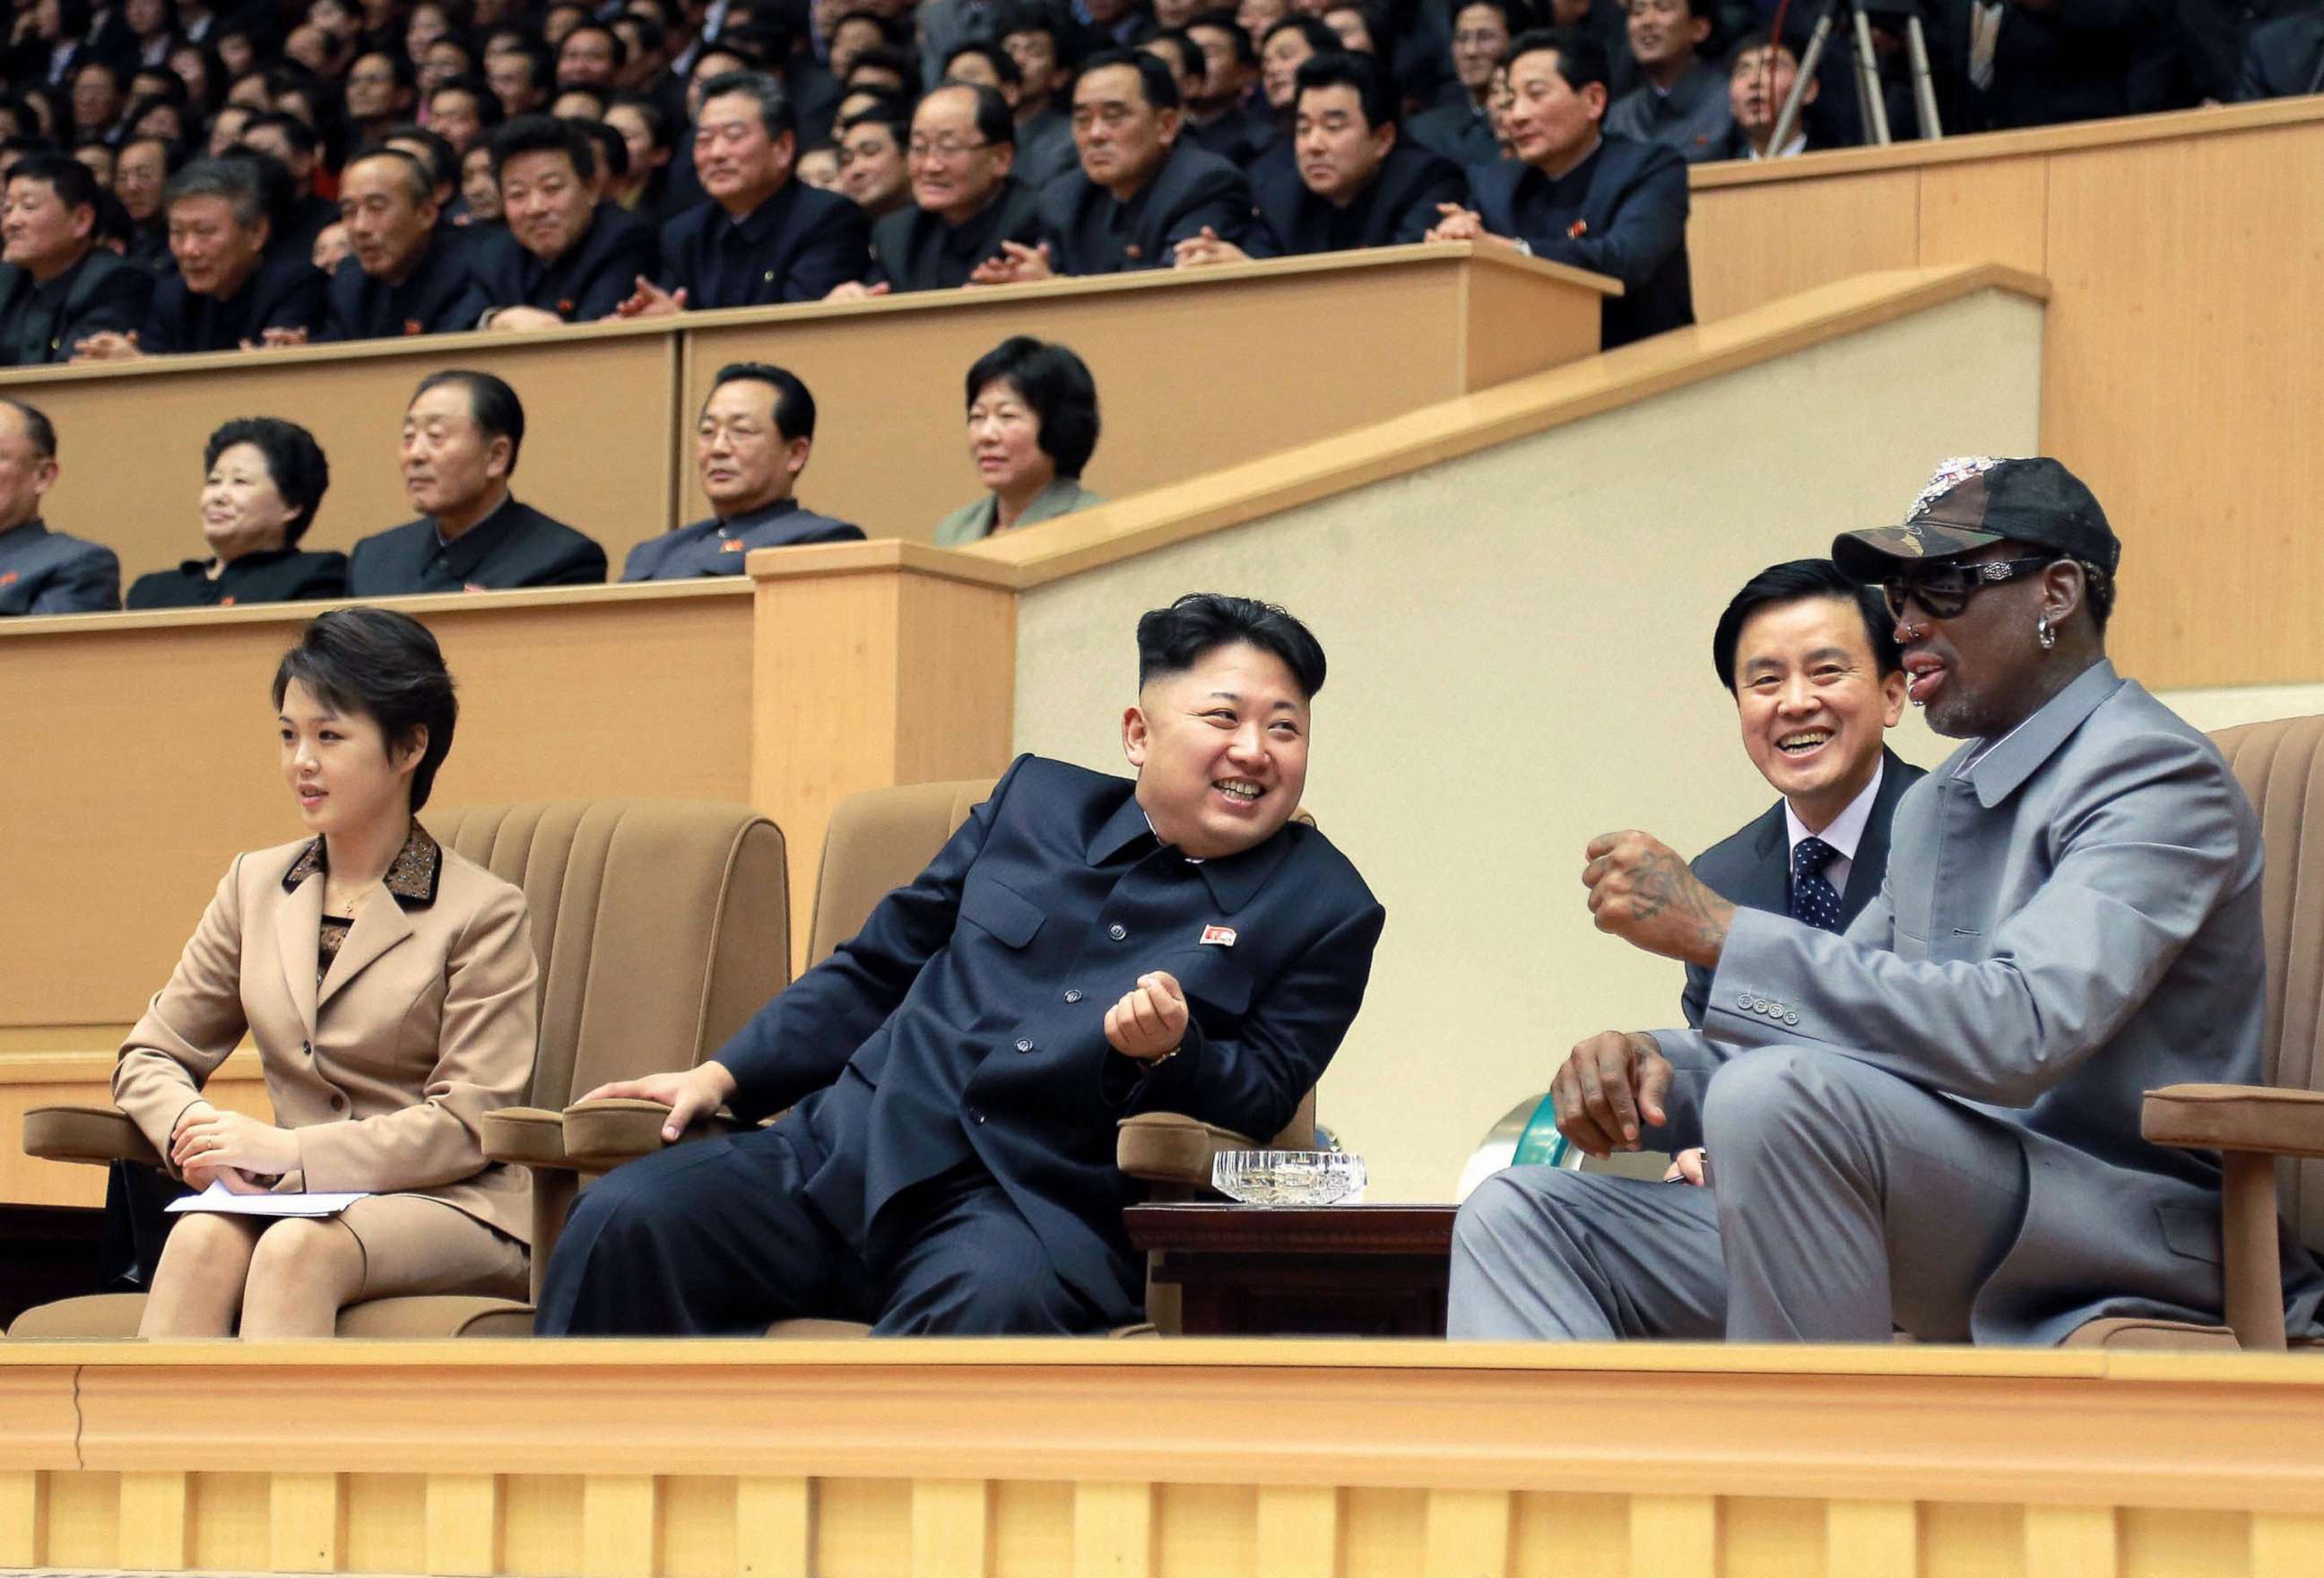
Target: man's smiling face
(1220,750)
(1813,705)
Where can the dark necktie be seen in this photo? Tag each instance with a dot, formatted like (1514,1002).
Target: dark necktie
(1814,901)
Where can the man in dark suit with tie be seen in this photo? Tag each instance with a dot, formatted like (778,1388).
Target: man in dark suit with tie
(461,435)
(1084,947)
(57,285)
(1811,660)
(765,237)
(1572,196)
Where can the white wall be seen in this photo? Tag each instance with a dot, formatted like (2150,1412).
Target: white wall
(1519,643)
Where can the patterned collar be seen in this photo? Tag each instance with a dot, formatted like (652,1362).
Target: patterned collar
(411,877)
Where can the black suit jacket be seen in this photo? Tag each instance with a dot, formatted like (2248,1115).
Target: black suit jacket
(1398,207)
(281,575)
(1752,867)
(1622,213)
(102,292)
(798,243)
(2074,63)
(1091,234)
(915,250)
(1456,131)
(595,275)
(964,1023)
(47,572)
(2282,59)
(282,293)
(515,546)
(440,295)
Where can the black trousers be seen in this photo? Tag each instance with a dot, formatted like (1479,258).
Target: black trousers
(715,1238)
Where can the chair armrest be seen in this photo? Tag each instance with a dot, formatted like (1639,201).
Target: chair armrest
(601,1135)
(530,1137)
(2236,1118)
(1170,1148)
(102,1135)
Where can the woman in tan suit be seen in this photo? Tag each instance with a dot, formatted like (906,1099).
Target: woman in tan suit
(387,984)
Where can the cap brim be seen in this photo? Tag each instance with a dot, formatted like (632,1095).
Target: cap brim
(1876,553)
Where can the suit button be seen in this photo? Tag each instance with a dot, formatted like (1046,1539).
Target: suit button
(1024,1046)
(976,1115)
(1074,996)
(1116,931)
(1790,1019)
(1742,999)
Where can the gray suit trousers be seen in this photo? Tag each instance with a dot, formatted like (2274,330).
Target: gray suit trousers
(1845,1203)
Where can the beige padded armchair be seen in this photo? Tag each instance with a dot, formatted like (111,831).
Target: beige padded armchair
(660,926)
(2271,1137)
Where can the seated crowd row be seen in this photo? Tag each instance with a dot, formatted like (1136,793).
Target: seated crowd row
(1142,195)
(1032,426)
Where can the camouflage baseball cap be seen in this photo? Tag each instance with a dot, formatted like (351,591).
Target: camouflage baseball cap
(1975,500)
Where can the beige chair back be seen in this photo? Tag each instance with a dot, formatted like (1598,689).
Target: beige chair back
(2280,765)
(660,926)
(881,839)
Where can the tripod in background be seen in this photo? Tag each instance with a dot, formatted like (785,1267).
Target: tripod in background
(1870,102)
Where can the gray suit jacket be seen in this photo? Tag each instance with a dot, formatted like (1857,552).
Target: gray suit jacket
(2072,921)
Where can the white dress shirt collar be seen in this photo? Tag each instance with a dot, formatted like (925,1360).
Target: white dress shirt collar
(1845,832)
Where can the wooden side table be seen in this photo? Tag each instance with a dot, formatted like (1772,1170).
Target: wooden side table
(1281,1270)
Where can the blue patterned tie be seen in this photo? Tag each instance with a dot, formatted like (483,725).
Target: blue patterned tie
(1813,900)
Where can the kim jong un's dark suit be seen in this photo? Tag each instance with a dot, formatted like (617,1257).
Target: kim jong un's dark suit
(948,1164)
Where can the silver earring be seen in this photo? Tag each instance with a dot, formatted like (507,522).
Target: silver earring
(2044,634)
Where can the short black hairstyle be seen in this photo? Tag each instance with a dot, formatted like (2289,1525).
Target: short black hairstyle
(775,111)
(301,136)
(1034,18)
(1246,51)
(890,34)
(39,431)
(540,66)
(620,45)
(794,406)
(1518,15)
(491,402)
(899,129)
(1319,38)
(612,148)
(1580,59)
(1057,385)
(1173,640)
(1795,581)
(1346,69)
(489,111)
(1003,63)
(74,182)
(443,163)
(385,666)
(1759,37)
(1191,58)
(995,121)
(1155,79)
(903,62)
(652,111)
(544,133)
(399,65)
(301,473)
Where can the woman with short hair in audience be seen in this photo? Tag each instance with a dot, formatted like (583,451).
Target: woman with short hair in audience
(389,986)
(262,479)
(1032,425)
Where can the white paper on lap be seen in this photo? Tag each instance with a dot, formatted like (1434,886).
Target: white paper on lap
(218,1198)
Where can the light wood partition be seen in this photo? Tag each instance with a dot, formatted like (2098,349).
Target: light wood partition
(2183,370)
(1194,369)
(598,400)
(143,758)
(1193,1458)
(877,663)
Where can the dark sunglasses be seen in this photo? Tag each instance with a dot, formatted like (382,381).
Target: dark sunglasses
(1944,591)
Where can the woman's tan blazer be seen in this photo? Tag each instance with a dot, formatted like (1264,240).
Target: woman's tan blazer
(426,1022)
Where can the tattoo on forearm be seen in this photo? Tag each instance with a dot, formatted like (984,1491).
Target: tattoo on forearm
(1664,884)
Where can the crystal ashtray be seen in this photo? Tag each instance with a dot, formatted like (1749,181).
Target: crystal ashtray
(1287,1177)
